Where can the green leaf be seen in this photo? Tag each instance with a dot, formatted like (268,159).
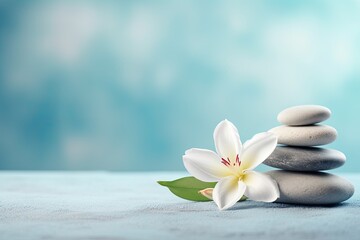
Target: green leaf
(188,188)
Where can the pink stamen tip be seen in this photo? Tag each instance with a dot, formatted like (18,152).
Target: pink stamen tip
(238,160)
(225,162)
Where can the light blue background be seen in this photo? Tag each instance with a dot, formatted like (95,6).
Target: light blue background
(130,85)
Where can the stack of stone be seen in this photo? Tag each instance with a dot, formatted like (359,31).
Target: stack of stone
(300,181)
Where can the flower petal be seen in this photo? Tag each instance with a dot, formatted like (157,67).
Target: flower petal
(228,191)
(205,165)
(227,140)
(257,149)
(260,187)
(207,192)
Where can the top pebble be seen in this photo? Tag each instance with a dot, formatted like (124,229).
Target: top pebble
(303,115)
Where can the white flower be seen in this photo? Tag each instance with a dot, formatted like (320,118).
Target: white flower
(232,166)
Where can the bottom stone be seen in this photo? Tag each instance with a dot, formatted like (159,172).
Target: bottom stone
(311,188)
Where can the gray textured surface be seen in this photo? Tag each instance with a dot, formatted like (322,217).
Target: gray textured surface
(303,115)
(313,135)
(311,187)
(305,158)
(100,205)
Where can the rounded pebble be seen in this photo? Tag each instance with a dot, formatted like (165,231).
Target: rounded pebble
(305,158)
(306,136)
(315,188)
(303,115)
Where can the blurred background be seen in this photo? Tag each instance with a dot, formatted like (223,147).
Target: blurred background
(130,85)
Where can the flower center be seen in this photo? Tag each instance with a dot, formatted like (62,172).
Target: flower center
(227,162)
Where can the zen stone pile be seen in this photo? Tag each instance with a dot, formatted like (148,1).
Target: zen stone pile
(300,180)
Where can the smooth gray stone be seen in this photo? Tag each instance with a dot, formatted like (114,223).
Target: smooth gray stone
(307,136)
(303,115)
(315,188)
(305,158)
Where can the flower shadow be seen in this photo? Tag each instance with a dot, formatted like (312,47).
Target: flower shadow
(253,204)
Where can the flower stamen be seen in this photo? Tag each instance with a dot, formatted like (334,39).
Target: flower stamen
(238,160)
(225,162)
